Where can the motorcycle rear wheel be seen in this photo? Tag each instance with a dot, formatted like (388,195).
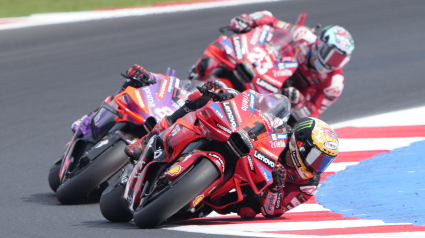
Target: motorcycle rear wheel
(94,174)
(176,197)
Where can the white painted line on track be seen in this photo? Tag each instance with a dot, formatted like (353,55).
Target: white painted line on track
(68,17)
(376,143)
(407,117)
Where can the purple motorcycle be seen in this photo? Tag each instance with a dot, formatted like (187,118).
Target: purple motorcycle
(95,155)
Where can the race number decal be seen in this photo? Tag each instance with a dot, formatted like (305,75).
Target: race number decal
(260,57)
(163,111)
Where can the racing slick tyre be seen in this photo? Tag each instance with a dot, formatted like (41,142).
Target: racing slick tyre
(177,196)
(86,180)
(54,180)
(111,203)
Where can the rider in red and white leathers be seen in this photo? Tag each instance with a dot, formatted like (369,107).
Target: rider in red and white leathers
(312,146)
(319,79)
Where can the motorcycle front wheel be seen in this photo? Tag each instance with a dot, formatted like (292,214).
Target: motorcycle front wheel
(112,205)
(54,180)
(177,196)
(84,182)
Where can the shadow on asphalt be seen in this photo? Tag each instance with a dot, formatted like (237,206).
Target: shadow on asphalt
(51,200)
(109,225)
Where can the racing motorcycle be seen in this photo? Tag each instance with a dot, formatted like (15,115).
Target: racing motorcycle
(261,59)
(203,156)
(95,154)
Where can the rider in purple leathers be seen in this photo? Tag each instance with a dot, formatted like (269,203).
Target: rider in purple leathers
(136,76)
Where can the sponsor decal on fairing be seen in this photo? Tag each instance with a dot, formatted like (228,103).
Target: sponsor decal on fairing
(251,164)
(218,158)
(151,101)
(236,111)
(267,175)
(177,84)
(230,114)
(170,84)
(287,65)
(238,47)
(175,170)
(282,73)
(251,101)
(245,101)
(268,152)
(197,200)
(264,159)
(279,136)
(227,46)
(263,35)
(277,144)
(162,89)
(218,111)
(267,85)
(255,36)
(139,99)
(225,129)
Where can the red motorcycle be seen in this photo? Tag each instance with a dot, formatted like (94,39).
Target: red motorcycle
(261,59)
(203,156)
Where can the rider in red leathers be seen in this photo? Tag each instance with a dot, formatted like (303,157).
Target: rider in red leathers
(312,147)
(319,79)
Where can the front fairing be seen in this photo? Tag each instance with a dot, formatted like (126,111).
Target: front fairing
(157,100)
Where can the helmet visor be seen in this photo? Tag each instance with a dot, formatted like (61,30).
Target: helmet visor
(330,56)
(317,162)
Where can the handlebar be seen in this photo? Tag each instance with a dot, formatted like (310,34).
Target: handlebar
(205,91)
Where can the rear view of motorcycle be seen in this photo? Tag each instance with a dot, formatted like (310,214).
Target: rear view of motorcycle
(95,155)
(203,156)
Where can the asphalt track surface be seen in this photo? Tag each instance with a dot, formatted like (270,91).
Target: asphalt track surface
(52,75)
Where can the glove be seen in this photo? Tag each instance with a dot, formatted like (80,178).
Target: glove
(241,24)
(294,96)
(271,201)
(212,90)
(137,72)
(137,77)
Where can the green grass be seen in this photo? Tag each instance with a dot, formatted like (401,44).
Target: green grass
(16,8)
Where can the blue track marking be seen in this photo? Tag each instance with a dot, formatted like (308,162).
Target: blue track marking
(388,187)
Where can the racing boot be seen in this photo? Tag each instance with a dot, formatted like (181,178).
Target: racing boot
(135,150)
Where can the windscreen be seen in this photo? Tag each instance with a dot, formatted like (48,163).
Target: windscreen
(274,106)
